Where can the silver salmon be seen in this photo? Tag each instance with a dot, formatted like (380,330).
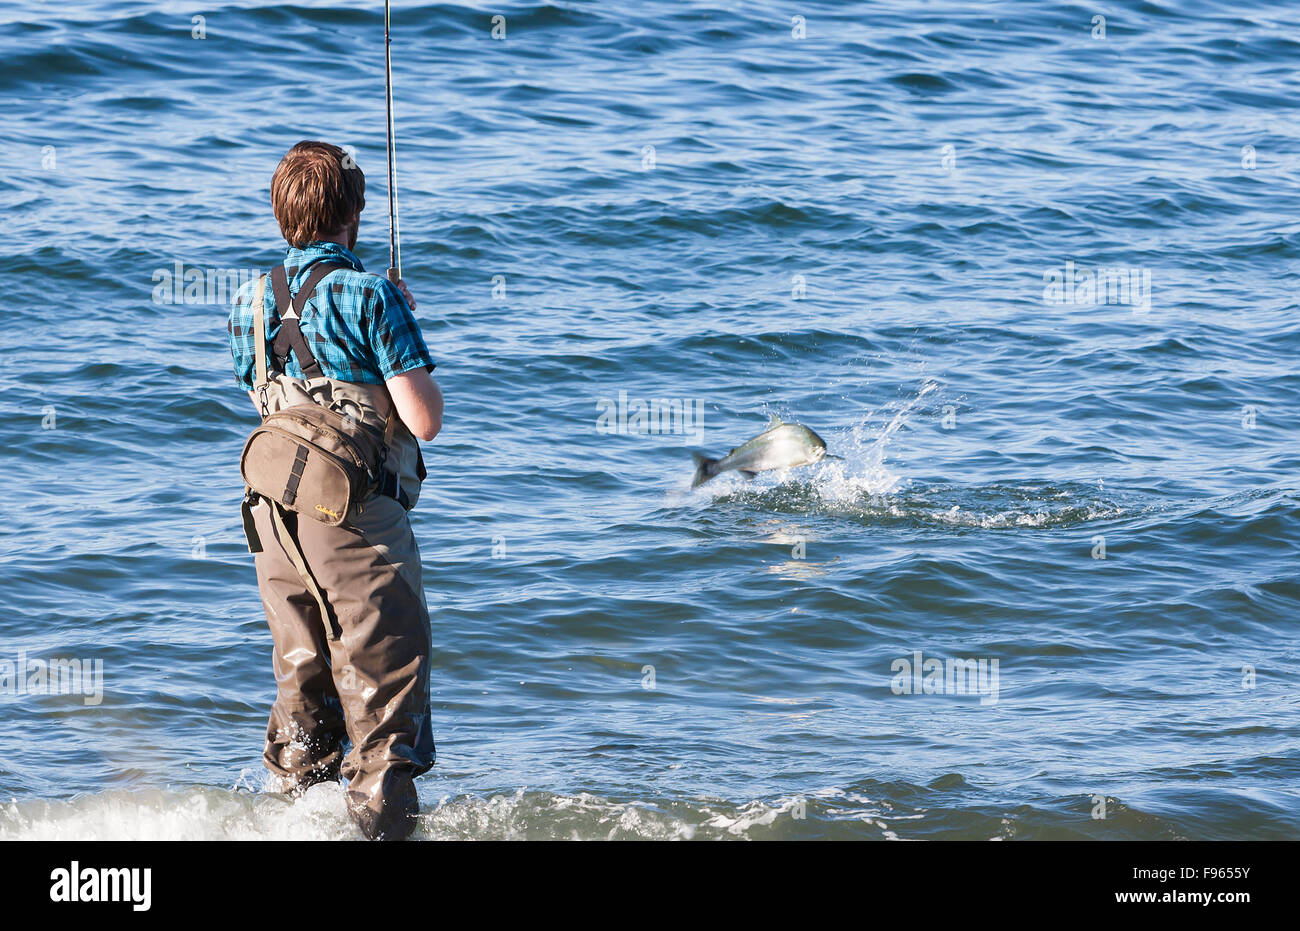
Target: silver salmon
(780,446)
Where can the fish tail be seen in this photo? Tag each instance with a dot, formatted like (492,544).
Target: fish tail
(703,469)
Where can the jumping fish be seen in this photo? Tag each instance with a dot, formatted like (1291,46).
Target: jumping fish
(780,446)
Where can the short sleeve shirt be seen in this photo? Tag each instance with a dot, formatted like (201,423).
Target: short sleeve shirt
(357,324)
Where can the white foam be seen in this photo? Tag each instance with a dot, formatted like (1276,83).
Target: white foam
(192,814)
(200,813)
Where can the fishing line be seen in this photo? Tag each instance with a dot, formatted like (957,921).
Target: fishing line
(394,234)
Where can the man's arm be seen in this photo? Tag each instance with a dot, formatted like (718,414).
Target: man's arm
(415,394)
(418,401)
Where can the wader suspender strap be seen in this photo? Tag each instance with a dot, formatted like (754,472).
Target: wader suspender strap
(259,329)
(290,336)
(259,384)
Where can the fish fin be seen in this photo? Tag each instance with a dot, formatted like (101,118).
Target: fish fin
(829,456)
(703,469)
(748,474)
(773,423)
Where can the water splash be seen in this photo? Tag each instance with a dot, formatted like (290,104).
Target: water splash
(862,473)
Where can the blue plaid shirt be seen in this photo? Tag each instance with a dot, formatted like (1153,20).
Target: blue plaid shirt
(358,325)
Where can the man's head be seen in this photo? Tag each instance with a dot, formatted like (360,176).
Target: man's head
(317,192)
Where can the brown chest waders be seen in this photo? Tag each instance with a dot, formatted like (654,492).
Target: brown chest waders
(344,599)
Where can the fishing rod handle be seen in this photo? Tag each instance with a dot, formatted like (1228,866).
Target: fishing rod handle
(394,275)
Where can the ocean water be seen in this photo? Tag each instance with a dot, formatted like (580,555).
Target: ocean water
(881,220)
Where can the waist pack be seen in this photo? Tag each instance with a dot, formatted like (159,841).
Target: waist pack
(309,458)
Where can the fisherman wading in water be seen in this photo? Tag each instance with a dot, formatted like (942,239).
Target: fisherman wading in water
(342,383)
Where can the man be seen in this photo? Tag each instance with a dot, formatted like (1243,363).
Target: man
(345,603)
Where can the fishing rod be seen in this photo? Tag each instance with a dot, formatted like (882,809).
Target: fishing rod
(394,240)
